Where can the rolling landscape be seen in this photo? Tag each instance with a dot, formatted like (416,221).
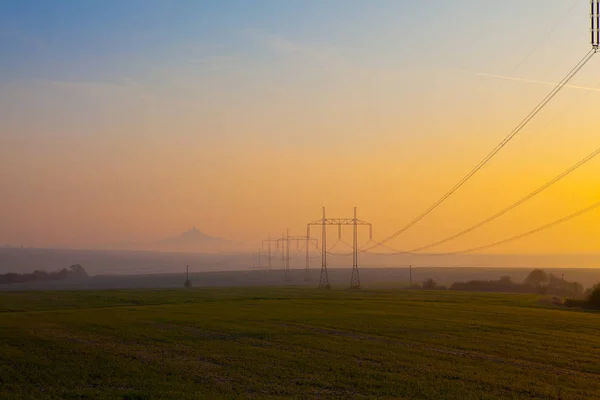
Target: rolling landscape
(299,199)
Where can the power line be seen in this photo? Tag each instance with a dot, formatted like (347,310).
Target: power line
(503,241)
(531,232)
(499,147)
(544,38)
(513,205)
(539,44)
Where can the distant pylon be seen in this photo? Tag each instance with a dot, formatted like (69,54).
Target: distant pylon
(285,252)
(355,279)
(324,279)
(270,264)
(307,265)
(259,263)
(287,256)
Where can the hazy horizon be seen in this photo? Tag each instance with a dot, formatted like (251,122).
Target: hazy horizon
(133,122)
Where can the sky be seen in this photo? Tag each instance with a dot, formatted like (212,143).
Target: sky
(134,121)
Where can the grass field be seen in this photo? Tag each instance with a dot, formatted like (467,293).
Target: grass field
(290,342)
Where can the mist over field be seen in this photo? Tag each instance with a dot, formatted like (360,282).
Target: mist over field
(136,269)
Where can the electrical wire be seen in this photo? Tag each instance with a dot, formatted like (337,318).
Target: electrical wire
(528,233)
(332,246)
(346,243)
(513,205)
(545,37)
(499,147)
(298,251)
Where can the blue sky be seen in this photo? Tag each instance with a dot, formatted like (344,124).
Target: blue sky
(105,39)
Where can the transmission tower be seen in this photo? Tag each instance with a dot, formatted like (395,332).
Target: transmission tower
(324,222)
(286,249)
(285,245)
(259,253)
(595,21)
(269,240)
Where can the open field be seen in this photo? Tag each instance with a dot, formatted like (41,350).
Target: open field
(293,342)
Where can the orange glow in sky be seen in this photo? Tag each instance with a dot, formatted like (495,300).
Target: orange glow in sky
(145,132)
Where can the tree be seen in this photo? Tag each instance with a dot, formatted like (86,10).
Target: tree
(40,275)
(505,279)
(576,288)
(77,271)
(429,283)
(536,278)
(594,297)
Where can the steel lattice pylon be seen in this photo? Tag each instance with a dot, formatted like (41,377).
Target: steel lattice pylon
(355,279)
(323,222)
(595,20)
(285,251)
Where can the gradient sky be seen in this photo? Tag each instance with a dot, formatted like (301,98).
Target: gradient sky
(135,120)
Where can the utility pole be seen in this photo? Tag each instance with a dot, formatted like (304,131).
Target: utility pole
(410,275)
(323,222)
(187,283)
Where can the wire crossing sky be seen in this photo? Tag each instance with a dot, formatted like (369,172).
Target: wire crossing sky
(570,75)
(513,205)
(131,122)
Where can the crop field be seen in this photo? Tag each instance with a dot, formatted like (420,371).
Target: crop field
(294,343)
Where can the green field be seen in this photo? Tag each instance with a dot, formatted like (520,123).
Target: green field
(298,343)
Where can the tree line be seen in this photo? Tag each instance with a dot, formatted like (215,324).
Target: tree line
(538,281)
(74,271)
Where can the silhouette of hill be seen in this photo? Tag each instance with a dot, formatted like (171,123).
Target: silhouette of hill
(194,240)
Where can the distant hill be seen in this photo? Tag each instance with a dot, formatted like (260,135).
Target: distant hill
(192,240)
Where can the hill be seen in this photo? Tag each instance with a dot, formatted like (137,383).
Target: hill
(194,241)
(191,241)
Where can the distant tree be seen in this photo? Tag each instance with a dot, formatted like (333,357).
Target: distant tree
(559,286)
(536,278)
(594,297)
(59,275)
(77,271)
(506,279)
(429,283)
(576,288)
(40,275)
(74,271)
